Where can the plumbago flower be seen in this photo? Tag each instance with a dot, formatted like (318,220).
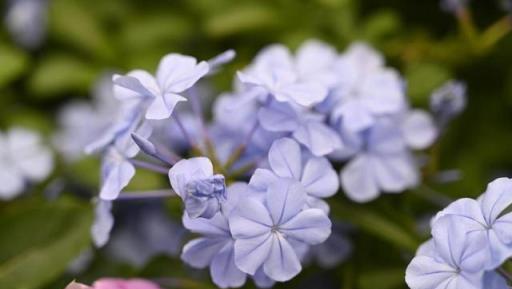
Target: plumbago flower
(23,160)
(276,73)
(448,101)
(471,239)
(161,93)
(315,174)
(26,21)
(383,160)
(366,89)
(288,118)
(449,261)
(487,217)
(267,230)
(202,191)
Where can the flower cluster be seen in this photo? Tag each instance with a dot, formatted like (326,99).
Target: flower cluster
(23,160)
(254,180)
(470,240)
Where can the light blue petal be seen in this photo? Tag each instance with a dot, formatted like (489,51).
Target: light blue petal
(319,178)
(285,199)
(311,226)
(278,118)
(319,138)
(251,253)
(103,223)
(177,72)
(200,252)
(282,263)
(285,158)
(358,181)
(225,273)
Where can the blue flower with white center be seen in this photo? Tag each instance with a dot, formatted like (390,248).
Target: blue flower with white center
(487,217)
(201,191)
(315,174)
(450,261)
(161,93)
(117,169)
(383,159)
(448,101)
(23,159)
(366,89)
(274,71)
(265,230)
(308,128)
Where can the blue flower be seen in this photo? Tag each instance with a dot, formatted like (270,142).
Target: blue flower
(315,174)
(26,22)
(449,261)
(275,73)
(366,89)
(23,159)
(215,248)
(448,101)
(487,217)
(81,122)
(265,229)
(175,74)
(308,128)
(116,169)
(201,191)
(103,223)
(383,160)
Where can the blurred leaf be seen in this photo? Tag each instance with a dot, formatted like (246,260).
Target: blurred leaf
(59,74)
(73,23)
(381,24)
(241,18)
(13,63)
(423,78)
(375,224)
(39,240)
(30,118)
(382,279)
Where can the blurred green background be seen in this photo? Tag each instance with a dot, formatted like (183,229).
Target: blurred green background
(39,237)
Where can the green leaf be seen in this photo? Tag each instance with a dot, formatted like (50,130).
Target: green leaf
(14,63)
(423,78)
(241,19)
(376,224)
(59,74)
(382,279)
(39,240)
(381,24)
(73,23)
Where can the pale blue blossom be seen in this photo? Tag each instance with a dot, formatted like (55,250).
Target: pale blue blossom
(366,89)
(214,248)
(81,122)
(450,261)
(448,101)
(23,159)
(162,92)
(201,190)
(26,21)
(264,230)
(308,128)
(383,158)
(117,169)
(315,174)
(488,218)
(493,280)
(275,72)
(103,223)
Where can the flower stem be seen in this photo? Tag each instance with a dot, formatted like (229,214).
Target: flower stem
(504,274)
(129,196)
(150,166)
(241,148)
